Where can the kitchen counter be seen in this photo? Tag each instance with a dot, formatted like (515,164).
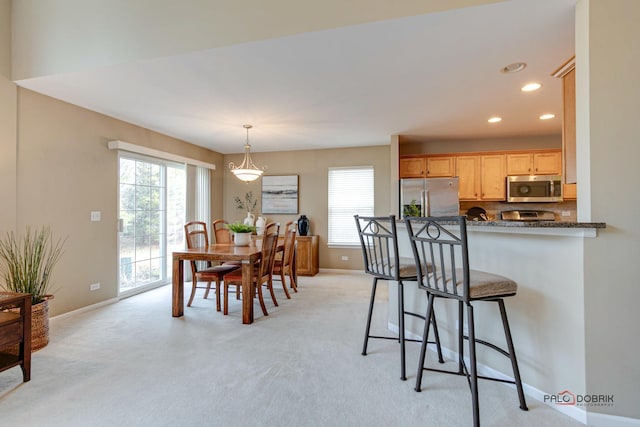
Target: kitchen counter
(557,228)
(537,224)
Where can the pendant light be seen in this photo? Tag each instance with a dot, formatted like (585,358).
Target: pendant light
(246,171)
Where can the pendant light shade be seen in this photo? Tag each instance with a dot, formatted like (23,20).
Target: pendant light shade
(246,171)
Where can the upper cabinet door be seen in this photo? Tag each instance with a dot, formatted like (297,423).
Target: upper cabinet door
(413,167)
(494,183)
(519,164)
(440,166)
(468,173)
(547,163)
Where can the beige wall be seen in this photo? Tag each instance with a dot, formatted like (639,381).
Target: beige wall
(7,124)
(311,166)
(611,122)
(5,38)
(8,115)
(65,171)
(484,144)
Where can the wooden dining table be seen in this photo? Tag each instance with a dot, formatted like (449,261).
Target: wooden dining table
(246,255)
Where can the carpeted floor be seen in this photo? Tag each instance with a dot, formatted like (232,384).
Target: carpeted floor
(132,364)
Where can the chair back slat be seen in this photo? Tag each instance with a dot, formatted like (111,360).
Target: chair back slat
(289,243)
(379,242)
(221,232)
(269,245)
(442,243)
(196,236)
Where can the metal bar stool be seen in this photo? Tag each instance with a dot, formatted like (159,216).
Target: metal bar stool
(442,243)
(378,238)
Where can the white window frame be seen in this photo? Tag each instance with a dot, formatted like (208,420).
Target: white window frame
(350,192)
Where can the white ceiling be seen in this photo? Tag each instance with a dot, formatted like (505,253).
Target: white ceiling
(429,77)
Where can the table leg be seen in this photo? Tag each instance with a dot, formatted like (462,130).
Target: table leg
(177,303)
(247,292)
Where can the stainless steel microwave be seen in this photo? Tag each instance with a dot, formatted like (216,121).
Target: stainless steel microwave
(534,188)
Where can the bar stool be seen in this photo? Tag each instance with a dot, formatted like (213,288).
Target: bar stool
(379,242)
(442,243)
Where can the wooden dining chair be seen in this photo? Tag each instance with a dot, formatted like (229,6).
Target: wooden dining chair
(197,237)
(262,273)
(221,232)
(284,263)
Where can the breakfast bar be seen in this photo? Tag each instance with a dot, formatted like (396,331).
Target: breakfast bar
(547,315)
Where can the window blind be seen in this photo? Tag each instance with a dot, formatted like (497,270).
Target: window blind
(203,195)
(350,193)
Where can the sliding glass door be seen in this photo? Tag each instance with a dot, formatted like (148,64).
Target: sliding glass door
(152,207)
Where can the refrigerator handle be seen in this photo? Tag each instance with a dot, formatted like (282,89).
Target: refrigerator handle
(424,202)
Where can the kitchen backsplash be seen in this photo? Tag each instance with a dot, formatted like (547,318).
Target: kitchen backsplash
(563,211)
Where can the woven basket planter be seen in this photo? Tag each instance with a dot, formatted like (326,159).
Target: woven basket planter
(39,326)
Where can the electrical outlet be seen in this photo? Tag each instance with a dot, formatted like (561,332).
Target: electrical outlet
(345,258)
(94,286)
(566,213)
(95,215)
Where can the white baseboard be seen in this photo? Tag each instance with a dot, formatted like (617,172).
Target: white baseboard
(596,419)
(85,309)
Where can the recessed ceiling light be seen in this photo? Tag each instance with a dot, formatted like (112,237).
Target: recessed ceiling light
(531,87)
(514,68)
(547,116)
(495,119)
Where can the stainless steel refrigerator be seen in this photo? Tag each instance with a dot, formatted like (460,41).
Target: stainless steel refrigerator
(429,197)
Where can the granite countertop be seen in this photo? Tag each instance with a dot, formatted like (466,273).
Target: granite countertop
(534,224)
(538,224)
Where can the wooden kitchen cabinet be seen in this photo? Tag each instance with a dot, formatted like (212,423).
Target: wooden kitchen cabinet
(413,167)
(440,166)
(543,163)
(15,332)
(307,255)
(493,177)
(468,173)
(566,72)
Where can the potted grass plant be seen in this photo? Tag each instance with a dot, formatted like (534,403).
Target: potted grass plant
(26,263)
(242,233)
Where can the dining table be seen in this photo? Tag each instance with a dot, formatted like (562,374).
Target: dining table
(246,255)
(223,252)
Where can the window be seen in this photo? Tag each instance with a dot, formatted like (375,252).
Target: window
(350,193)
(151,211)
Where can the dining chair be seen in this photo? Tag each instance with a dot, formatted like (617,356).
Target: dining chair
(197,237)
(262,270)
(221,232)
(284,263)
(379,242)
(442,243)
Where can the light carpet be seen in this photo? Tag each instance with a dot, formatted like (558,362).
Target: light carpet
(132,364)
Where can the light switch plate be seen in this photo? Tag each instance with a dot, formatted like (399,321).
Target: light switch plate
(95,215)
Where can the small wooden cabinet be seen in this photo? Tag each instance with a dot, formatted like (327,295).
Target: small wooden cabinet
(15,332)
(543,163)
(439,166)
(493,177)
(468,173)
(413,167)
(307,255)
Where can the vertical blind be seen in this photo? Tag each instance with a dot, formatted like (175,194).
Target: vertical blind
(350,193)
(203,195)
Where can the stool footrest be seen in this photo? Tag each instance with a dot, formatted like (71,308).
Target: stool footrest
(462,374)
(490,345)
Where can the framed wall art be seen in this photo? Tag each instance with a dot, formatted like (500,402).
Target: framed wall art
(280,194)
